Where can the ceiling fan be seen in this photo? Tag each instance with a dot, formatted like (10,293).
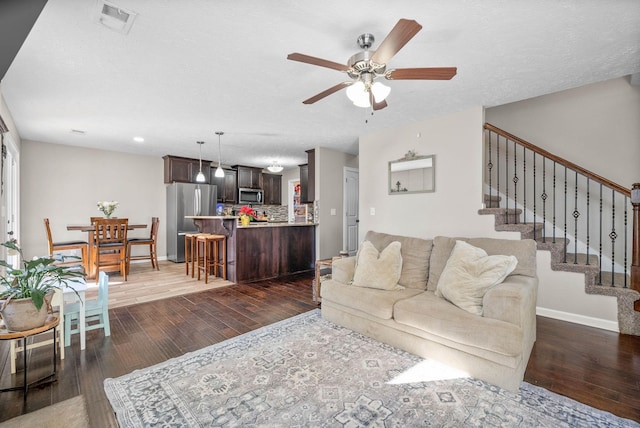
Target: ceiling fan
(367,66)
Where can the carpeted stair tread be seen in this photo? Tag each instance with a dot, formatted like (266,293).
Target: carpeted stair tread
(492,201)
(575,262)
(617,281)
(526,229)
(547,243)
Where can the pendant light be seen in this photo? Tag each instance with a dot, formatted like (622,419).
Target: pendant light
(200,178)
(219,171)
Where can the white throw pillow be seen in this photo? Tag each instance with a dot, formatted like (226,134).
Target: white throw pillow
(378,270)
(469,273)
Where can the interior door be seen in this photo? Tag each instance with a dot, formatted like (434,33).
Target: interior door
(351,217)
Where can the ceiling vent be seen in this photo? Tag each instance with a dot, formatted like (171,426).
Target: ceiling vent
(114,17)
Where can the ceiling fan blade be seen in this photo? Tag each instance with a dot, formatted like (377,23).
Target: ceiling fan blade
(327,92)
(404,31)
(379,106)
(317,61)
(430,73)
(376,106)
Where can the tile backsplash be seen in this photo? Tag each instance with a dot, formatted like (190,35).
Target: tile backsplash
(274,212)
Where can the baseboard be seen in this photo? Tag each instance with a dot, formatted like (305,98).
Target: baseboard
(578,319)
(160,259)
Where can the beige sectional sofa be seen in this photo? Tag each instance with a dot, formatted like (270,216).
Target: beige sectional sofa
(494,347)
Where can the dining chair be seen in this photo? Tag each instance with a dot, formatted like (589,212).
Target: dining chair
(111,244)
(57,247)
(56,309)
(151,241)
(96,312)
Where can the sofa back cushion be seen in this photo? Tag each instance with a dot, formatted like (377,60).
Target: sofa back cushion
(524,250)
(415,257)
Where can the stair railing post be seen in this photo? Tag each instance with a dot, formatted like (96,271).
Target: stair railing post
(635,252)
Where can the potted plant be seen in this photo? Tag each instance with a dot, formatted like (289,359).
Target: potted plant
(246,215)
(26,291)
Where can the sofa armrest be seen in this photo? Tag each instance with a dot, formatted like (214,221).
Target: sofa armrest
(513,301)
(342,270)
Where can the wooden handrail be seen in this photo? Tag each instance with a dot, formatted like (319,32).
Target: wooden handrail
(560,160)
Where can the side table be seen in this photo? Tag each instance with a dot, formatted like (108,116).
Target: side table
(50,324)
(320,265)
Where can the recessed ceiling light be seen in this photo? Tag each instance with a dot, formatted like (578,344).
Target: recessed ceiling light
(138,139)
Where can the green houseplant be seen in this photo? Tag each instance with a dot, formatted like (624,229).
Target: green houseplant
(24,290)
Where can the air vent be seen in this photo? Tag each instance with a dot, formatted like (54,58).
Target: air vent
(114,17)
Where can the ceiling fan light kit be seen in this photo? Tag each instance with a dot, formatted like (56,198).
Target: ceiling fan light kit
(366,66)
(275,167)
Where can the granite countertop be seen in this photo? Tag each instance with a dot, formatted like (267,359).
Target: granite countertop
(260,224)
(253,224)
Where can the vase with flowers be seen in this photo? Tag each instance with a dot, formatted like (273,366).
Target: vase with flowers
(246,214)
(107,207)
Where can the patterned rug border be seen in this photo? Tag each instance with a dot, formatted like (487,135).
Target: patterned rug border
(548,405)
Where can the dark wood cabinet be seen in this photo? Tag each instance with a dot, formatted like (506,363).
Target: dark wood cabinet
(272,185)
(304,183)
(227,185)
(183,170)
(249,177)
(308,178)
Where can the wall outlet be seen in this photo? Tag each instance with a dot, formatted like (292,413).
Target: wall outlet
(372,211)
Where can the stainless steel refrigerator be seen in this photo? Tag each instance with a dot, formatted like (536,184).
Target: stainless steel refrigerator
(186,199)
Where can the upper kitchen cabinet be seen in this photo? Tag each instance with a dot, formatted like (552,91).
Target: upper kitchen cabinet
(227,185)
(183,170)
(308,178)
(248,177)
(272,185)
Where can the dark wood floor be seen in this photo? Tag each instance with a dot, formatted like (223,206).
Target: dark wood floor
(596,367)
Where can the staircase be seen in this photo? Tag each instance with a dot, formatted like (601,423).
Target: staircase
(581,218)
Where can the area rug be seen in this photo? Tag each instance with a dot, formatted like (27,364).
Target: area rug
(305,371)
(71,413)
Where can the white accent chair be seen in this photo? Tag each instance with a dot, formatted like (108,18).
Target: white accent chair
(96,312)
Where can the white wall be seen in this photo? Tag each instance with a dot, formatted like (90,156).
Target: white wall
(456,141)
(287,175)
(329,194)
(595,126)
(64,184)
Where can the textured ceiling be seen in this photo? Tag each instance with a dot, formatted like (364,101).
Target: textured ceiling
(188,68)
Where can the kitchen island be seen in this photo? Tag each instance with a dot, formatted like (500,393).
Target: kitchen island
(262,250)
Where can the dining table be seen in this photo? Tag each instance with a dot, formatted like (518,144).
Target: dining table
(90,230)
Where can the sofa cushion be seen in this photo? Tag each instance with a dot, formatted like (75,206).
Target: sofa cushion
(436,316)
(523,249)
(378,303)
(378,269)
(469,273)
(415,257)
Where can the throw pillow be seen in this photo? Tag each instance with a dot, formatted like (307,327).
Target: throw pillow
(469,273)
(378,270)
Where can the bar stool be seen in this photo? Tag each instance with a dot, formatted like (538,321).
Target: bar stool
(190,250)
(208,250)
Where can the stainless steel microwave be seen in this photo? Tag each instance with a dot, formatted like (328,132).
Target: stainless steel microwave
(250,196)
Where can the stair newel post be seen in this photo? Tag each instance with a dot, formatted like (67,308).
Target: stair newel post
(635,252)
